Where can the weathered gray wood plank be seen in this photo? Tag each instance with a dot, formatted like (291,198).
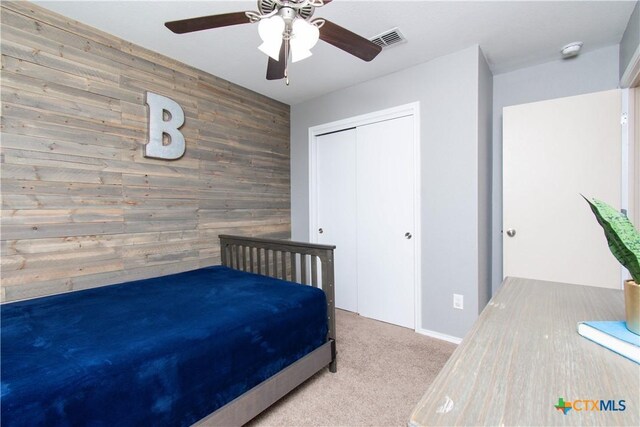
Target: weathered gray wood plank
(55,62)
(25,83)
(38,14)
(49,260)
(45,201)
(77,243)
(55,174)
(77,189)
(49,216)
(28,144)
(57,105)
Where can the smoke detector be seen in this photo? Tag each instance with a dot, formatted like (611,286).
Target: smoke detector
(570,50)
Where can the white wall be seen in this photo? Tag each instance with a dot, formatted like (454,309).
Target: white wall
(447,89)
(590,72)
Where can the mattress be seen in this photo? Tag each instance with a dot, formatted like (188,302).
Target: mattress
(162,351)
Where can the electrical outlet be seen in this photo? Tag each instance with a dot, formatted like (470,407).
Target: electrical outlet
(458,301)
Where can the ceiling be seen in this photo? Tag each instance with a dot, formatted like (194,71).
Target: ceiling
(512,34)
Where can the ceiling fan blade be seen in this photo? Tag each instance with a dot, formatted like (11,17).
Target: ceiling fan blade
(207,22)
(348,41)
(275,69)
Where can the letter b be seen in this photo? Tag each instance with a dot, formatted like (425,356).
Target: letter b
(158,127)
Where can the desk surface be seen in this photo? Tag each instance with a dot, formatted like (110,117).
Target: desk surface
(524,353)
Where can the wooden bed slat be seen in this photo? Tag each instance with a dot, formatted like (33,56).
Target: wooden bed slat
(274,261)
(303,269)
(294,266)
(267,265)
(314,271)
(223,255)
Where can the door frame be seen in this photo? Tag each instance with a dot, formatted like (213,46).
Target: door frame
(411,109)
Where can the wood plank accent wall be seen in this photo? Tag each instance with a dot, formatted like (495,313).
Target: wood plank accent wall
(81,206)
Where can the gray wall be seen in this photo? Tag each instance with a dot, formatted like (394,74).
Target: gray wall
(447,89)
(630,39)
(485,114)
(590,72)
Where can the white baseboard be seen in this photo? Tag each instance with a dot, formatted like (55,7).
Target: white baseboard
(438,335)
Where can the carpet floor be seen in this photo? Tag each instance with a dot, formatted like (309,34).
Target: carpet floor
(383,371)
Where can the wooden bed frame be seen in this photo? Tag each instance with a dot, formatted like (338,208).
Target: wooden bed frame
(295,262)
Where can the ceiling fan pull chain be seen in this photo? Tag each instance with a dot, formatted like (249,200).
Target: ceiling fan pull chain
(286,59)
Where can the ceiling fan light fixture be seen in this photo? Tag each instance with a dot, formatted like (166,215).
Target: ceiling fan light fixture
(270,31)
(304,36)
(271,49)
(299,54)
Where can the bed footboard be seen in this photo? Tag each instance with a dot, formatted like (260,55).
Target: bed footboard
(304,263)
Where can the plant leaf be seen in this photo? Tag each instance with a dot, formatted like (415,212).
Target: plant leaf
(622,236)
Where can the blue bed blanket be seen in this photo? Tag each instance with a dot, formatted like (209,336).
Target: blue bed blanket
(162,351)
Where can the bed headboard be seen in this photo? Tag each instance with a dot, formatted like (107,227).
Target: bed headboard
(284,259)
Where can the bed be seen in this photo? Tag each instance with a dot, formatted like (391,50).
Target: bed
(215,346)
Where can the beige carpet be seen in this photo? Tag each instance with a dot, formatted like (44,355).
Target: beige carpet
(383,371)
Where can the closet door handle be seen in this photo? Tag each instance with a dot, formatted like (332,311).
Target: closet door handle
(407,235)
(320,230)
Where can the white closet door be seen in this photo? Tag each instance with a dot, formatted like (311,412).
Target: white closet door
(337,212)
(385,205)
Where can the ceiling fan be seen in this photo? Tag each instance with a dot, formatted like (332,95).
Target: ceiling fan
(286,29)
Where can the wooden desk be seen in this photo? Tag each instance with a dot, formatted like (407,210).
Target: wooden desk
(524,353)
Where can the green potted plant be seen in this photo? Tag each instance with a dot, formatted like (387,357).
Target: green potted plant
(624,243)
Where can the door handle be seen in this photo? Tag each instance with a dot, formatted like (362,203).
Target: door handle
(511,232)
(320,230)
(407,235)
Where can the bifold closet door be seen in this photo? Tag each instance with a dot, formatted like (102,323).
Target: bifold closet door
(385,206)
(336,198)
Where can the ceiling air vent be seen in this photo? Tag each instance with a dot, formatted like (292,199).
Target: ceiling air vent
(388,38)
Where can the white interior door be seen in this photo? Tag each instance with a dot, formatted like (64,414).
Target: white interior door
(337,210)
(385,205)
(554,151)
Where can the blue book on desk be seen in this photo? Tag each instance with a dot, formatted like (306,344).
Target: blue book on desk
(613,335)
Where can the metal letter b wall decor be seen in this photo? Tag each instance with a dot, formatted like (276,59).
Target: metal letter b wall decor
(158,127)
